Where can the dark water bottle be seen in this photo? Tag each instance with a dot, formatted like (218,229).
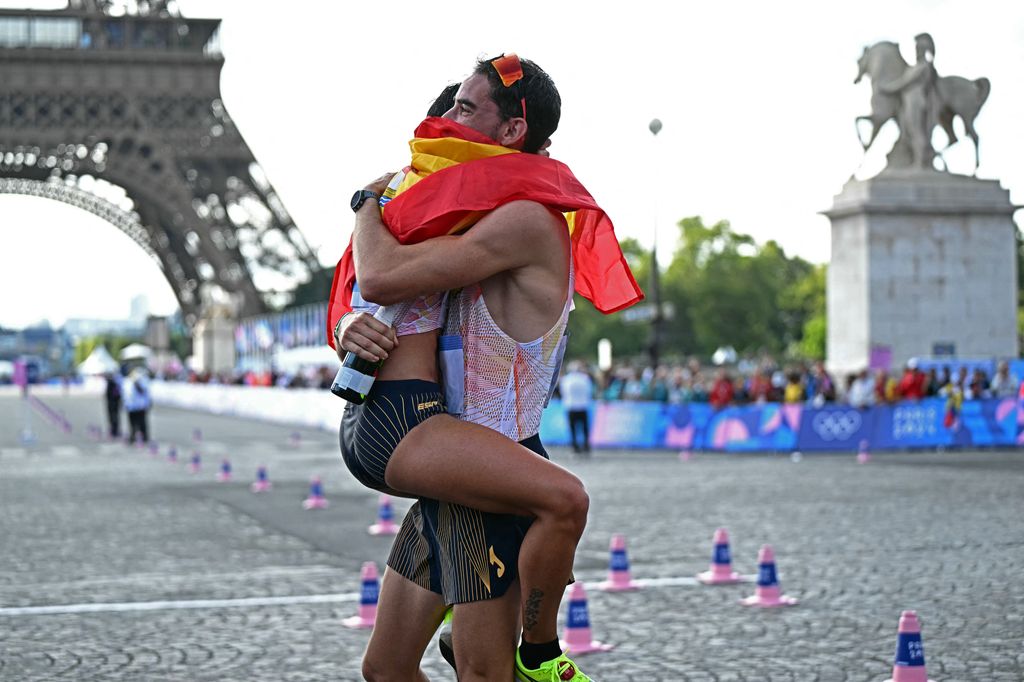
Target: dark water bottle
(355,378)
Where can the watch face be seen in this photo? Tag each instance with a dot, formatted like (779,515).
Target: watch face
(357,200)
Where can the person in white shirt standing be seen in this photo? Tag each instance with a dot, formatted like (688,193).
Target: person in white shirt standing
(137,402)
(577,391)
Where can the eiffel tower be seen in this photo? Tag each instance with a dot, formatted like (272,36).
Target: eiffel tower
(119,113)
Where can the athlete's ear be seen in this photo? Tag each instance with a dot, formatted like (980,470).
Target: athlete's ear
(512,133)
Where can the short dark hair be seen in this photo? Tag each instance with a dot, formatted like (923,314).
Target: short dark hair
(543,103)
(444,101)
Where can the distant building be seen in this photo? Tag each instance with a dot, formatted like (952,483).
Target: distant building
(139,309)
(83,327)
(49,351)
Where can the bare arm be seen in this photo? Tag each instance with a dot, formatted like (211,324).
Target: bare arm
(389,272)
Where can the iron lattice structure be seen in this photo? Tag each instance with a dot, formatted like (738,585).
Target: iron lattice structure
(92,98)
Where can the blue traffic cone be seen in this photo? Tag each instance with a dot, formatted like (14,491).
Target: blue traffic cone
(262,483)
(368,595)
(316,499)
(619,579)
(909,665)
(385,518)
(767,594)
(577,637)
(720,572)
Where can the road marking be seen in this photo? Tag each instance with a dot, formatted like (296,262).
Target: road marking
(13,452)
(121,607)
(176,605)
(66,450)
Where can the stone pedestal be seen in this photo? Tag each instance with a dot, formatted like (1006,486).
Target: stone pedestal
(923,263)
(213,345)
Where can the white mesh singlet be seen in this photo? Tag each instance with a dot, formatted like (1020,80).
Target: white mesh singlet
(506,382)
(424,314)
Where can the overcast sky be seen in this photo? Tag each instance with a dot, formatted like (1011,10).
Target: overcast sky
(757,101)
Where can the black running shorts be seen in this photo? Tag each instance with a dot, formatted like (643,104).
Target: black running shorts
(460,553)
(370,432)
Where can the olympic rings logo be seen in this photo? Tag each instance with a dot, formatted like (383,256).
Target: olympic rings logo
(836,425)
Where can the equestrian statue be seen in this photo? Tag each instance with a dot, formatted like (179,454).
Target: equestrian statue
(919,100)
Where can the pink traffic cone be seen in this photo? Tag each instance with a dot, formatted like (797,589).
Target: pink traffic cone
(316,499)
(225,471)
(909,665)
(195,464)
(367,599)
(863,454)
(154,449)
(685,455)
(262,483)
(720,572)
(576,638)
(767,594)
(172,454)
(619,579)
(385,518)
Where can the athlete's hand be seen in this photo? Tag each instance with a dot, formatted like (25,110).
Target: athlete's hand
(367,337)
(381,183)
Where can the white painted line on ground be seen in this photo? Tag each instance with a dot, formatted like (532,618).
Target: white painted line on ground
(117,607)
(66,450)
(13,452)
(121,607)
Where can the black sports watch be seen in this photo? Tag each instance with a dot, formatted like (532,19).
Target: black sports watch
(361,196)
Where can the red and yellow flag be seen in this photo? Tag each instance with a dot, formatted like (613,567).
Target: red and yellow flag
(457,175)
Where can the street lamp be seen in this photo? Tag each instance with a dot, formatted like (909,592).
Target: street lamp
(654,345)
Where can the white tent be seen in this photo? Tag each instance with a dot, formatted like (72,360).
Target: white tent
(136,351)
(98,362)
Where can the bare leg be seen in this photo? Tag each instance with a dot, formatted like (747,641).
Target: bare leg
(474,466)
(484,636)
(407,617)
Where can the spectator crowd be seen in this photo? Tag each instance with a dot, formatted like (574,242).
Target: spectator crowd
(810,383)
(745,383)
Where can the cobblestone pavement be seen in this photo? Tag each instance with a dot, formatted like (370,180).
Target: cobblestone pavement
(97,523)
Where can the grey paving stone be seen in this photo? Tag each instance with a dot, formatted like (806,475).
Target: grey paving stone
(86,522)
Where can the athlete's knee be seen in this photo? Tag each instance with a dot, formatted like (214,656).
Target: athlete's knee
(494,666)
(384,669)
(571,503)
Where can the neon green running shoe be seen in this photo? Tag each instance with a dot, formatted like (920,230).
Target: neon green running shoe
(560,669)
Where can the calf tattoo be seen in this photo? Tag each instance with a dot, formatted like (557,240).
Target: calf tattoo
(532,608)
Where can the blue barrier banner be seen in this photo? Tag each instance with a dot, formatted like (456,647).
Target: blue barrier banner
(836,428)
(912,425)
(754,428)
(626,424)
(776,427)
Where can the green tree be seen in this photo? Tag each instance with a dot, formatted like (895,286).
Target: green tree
(725,289)
(735,291)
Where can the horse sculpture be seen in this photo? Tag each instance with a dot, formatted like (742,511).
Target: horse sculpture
(953,96)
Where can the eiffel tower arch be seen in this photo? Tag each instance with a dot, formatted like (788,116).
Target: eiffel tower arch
(120,114)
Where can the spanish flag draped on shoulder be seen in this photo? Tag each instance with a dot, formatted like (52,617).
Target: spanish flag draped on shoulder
(457,175)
